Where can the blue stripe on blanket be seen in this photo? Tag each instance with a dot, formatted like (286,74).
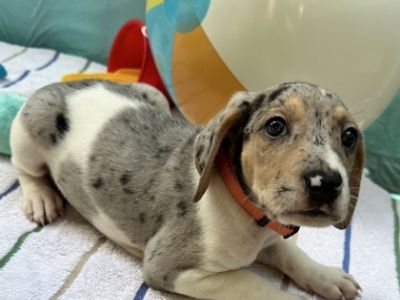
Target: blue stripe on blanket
(13,187)
(347,244)
(141,292)
(20,78)
(52,60)
(27,72)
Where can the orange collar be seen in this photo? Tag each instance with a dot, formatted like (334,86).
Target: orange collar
(238,194)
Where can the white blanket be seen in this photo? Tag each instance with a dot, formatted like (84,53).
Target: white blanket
(71,260)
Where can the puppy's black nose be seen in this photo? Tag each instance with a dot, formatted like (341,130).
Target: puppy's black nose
(322,186)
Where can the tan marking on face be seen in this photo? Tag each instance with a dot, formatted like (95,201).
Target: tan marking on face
(297,110)
(340,113)
(266,163)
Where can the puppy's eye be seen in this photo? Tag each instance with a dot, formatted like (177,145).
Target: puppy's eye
(349,137)
(275,127)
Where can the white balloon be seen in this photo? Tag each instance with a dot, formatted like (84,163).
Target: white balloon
(349,47)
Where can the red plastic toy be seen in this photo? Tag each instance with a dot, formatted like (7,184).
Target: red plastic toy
(131,50)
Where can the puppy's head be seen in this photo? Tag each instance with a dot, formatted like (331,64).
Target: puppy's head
(295,149)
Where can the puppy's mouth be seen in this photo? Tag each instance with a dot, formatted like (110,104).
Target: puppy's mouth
(312,213)
(315,217)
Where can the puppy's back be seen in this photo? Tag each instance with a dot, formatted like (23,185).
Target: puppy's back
(113,149)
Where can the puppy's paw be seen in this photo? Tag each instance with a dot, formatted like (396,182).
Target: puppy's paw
(333,284)
(42,204)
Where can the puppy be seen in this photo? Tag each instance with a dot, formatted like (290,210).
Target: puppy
(199,205)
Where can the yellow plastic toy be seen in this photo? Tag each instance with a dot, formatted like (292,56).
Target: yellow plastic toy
(121,75)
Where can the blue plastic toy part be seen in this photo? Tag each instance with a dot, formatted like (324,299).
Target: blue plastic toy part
(3,72)
(10,104)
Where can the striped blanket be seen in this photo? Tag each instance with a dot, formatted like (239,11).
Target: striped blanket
(71,260)
(31,68)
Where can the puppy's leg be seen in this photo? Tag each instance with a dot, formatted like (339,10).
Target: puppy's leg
(41,203)
(329,282)
(178,270)
(230,285)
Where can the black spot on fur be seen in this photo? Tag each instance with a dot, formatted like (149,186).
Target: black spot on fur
(329,95)
(164,149)
(62,123)
(128,191)
(144,96)
(92,158)
(165,278)
(278,92)
(124,179)
(178,186)
(283,189)
(319,140)
(142,217)
(98,183)
(53,138)
(200,150)
(258,101)
(159,219)
(246,134)
(201,166)
(182,207)
(244,105)
(211,139)
(152,198)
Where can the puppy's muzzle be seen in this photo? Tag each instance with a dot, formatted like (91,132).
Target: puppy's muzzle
(323,187)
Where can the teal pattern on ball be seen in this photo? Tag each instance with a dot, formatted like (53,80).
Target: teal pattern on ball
(162,22)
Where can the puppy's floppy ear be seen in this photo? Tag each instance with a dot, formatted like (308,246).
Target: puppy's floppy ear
(355,180)
(209,140)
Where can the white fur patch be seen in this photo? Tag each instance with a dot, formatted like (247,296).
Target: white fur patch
(105,225)
(88,111)
(335,163)
(221,215)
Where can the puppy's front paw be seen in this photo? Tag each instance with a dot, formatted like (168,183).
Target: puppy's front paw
(42,204)
(333,284)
